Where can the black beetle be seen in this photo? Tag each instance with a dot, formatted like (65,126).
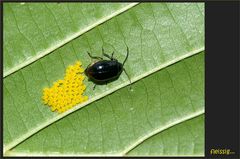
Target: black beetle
(105,71)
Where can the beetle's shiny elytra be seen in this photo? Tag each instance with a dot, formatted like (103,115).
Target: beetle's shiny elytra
(105,71)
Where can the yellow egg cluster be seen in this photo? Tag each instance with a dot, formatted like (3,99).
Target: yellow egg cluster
(66,93)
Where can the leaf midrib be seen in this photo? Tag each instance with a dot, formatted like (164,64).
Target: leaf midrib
(67,40)
(60,116)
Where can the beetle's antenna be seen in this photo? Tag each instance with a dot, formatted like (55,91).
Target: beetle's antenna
(128,78)
(126,56)
(102,50)
(94,57)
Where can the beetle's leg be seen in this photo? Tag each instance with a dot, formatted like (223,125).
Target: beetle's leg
(85,71)
(94,57)
(126,56)
(112,56)
(128,78)
(94,86)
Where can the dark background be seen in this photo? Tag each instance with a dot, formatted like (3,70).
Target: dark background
(222,78)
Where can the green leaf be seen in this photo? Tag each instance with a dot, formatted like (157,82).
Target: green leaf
(187,138)
(44,27)
(157,34)
(123,120)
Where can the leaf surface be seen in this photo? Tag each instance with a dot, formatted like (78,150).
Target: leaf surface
(184,139)
(33,30)
(157,34)
(121,121)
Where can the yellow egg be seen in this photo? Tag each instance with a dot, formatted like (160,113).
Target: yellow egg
(66,93)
